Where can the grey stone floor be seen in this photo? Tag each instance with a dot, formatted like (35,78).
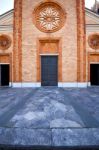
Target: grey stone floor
(49,116)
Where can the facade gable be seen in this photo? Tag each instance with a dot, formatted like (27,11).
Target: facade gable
(91,17)
(7,18)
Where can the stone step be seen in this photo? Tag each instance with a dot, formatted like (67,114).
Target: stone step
(56,137)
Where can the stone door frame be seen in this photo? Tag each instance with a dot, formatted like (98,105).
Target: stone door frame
(58,53)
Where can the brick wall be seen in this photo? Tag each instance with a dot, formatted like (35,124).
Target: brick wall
(72,42)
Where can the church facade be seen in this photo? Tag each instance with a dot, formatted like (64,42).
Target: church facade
(49,43)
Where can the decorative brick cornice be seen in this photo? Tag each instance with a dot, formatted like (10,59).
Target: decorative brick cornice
(17,40)
(81,41)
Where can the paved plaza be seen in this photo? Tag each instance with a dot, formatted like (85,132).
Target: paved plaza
(49,116)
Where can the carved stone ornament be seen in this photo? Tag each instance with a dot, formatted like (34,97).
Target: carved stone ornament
(93,41)
(49,17)
(5,42)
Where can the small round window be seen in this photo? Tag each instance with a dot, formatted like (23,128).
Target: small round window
(93,41)
(5,42)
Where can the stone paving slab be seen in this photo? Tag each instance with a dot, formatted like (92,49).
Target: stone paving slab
(49,116)
(46,110)
(19,136)
(89,98)
(49,137)
(75,137)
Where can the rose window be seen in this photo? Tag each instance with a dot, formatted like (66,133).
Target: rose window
(49,17)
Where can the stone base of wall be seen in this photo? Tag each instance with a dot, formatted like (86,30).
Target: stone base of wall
(25,84)
(60,84)
(73,84)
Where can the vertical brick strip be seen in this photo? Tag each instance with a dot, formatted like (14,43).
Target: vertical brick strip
(17,36)
(81,41)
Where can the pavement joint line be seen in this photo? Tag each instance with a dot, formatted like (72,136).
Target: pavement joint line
(74,128)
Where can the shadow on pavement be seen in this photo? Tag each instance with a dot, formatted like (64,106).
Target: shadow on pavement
(8,147)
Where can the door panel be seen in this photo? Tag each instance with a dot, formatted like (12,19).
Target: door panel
(49,70)
(4,75)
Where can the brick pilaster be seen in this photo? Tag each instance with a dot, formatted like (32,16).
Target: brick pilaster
(17,37)
(81,41)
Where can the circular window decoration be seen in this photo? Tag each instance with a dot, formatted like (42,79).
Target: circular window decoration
(49,17)
(5,42)
(93,41)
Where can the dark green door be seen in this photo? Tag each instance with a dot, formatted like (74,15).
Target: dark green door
(49,70)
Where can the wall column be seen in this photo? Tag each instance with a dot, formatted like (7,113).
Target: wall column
(81,41)
(17,40)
